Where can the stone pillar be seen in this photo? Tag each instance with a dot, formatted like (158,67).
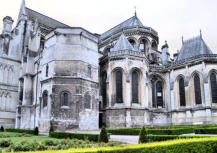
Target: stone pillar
(172,99)
(188,117)
(27,90)
(128,94)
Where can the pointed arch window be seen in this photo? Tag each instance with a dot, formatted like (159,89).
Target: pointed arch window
(119,87)
(45,98)
(157,93)
(135,87)
(182,92)
(87,104)
(64,98)
(197,89)
(104,90)
(213,84)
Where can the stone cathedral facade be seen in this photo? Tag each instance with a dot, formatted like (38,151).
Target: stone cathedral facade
(70,78)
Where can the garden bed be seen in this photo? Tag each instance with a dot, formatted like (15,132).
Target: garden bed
(34,143)
(198,145)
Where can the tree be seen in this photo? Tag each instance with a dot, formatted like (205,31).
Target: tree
(36,130)
(103,137)
(51,130)
(143,135)
(2,129)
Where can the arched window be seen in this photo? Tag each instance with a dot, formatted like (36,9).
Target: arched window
(154,45)
(135,87)
(64,98)
(182,92)
(104,96)
(197,89)
(157,92)
(132,42)
(143,46)
(119,90)
(45,98)
(89,72)
(87,101)
(213,84)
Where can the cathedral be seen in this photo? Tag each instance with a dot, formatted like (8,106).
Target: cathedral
(52,74)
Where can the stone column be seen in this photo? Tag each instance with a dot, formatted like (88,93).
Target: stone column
(128,90)
(27,90)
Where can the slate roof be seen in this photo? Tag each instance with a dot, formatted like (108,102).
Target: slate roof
(131,22)
(193,47)
(45,20)
(122,44)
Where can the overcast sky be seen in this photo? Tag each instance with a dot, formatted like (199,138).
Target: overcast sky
(172,19)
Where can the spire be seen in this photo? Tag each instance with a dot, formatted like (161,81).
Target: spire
(122,44)
(135,11)
(22,13)
(200,33)
(182,40)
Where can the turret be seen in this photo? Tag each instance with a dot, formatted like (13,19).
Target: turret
(165,56)
(7,25)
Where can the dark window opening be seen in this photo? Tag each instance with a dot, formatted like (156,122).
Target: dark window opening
(64,99)
(143,46)
(119,87)
(135,87)
(45,98)
(157,93)
(197,89)
(213,84)
(154,45)
(87,101)
(182,92)
(47,70)
(133,43)
(89,72)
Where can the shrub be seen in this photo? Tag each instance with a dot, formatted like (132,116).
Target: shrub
(80,136)
(21,131)
(36,131)
(143,135)
(103,137)
(51,129)
(176,131)
(206,130)
(2,129)
(5,143)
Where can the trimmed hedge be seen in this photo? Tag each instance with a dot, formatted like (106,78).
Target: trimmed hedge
(151,131)
(206,131)
(154,138)
(21,131)
(80,136)
(200,145)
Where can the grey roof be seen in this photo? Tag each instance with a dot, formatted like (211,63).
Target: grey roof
(45,20)
(193,47)
(131,22)
(122,44)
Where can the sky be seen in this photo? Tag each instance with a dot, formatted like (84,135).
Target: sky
(172,19)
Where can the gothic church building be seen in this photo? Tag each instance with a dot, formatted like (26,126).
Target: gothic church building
(70,78)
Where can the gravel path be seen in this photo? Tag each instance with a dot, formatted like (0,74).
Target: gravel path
(125,139)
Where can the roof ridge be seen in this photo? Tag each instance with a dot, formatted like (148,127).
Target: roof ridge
(48,17)
(119,24)
(117,27)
